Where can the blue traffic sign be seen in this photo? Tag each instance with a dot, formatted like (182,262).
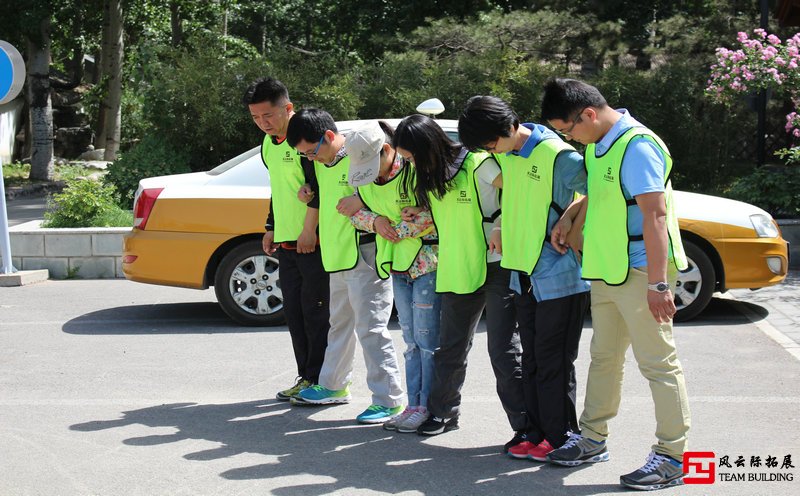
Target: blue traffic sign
(12,72)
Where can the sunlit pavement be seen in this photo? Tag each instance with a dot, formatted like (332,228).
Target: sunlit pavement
(115,388)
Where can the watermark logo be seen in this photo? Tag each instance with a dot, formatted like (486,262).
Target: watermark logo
(699,467)
(704,467)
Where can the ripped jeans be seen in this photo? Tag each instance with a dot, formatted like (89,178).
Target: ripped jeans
(418,310)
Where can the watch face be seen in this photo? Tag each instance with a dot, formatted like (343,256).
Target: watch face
(662,286)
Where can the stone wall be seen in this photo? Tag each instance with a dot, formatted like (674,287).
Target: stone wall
(81,253)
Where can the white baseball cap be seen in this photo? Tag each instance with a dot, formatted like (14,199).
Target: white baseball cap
(363,146)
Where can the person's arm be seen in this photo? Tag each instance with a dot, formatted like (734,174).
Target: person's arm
(267,241)
(364,220)
(496,238)
(307,241)
(311,187)
(656,243)
(569,228)
(349,205)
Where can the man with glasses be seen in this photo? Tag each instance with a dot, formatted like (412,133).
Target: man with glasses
(541,175)
(291,233)
(361,302)
(631,251)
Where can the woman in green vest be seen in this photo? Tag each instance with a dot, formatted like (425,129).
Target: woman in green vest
(460,190)
(406,251)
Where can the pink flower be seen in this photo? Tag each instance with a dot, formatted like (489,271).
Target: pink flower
(796,133)
(741,36)
(774,39)
(779,61)
(760,32)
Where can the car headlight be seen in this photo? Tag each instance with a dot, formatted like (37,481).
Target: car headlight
(764,226)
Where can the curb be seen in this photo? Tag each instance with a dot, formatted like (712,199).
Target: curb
(16,192)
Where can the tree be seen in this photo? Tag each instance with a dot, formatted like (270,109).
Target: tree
(41,108)
(112,54)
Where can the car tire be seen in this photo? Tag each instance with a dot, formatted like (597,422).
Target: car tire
(695,285)
(247,285)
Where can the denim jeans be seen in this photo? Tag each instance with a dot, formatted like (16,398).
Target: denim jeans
(418,310)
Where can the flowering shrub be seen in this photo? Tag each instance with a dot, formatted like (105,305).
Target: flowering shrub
(763,62)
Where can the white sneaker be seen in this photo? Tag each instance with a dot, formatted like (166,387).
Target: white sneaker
(416,419)
(392,423)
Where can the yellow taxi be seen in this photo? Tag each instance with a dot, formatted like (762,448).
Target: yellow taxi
(204,229)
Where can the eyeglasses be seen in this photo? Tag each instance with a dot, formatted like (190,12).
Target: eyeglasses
(316,150)
(577,120)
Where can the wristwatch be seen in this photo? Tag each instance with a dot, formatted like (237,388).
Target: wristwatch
(659,287)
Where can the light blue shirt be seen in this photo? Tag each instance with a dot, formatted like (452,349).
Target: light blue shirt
(555,275)
(643,168)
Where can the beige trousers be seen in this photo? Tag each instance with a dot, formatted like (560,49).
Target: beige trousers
(621,318)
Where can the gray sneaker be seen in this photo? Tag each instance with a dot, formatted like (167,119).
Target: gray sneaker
(392,423)
(412,422)
(579,450)
(658,472)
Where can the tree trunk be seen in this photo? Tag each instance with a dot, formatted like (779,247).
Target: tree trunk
(41,108)
(176,23)
(112,72)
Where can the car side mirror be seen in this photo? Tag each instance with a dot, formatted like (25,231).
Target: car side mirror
(431,107)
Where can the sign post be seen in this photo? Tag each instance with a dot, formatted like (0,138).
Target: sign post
(12,77)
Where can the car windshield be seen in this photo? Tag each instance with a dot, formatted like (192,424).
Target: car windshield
(230,164)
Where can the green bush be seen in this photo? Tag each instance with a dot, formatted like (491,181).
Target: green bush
(772,188)
(85,203)
(149,158)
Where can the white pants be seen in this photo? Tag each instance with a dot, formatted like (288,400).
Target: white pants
(361,304)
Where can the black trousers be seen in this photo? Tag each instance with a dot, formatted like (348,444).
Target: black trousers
(306,298)
(550,331)
(460,317)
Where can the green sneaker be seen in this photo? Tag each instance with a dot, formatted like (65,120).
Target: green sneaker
(318,395)
(377,414)
(288,394)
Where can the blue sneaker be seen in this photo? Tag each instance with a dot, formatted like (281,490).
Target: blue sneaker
(318,395)
(377,414)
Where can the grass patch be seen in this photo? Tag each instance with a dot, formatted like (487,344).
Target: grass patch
(18,174)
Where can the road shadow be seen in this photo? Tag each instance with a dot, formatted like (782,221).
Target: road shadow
(305,456)
(722,311)
(161,318)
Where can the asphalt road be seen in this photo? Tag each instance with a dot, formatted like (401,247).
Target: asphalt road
(117,388)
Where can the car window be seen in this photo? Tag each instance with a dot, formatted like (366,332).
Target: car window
(230,164)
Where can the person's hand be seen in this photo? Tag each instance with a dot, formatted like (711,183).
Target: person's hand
(307,242)
(496,241)
(349,205)
(662,305)
(305,194)
(558,236)
(409,213)
(575,241)
(268,244)
(384,228)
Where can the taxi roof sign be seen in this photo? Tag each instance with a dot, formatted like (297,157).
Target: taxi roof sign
(12,72)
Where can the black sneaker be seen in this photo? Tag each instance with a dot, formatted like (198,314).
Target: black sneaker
(437,425)
(519,437)
(579,450)
(658,472)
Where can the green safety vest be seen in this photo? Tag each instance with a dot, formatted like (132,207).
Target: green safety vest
(526,202)
(285,177)
(459,221)
(388,200)
(606,238)
(338,239)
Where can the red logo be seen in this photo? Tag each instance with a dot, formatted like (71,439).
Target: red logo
(699,467)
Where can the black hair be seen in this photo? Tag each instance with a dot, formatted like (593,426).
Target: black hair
(563,98)
(309,125)
(406,177)
(265,89)
(433,153)
(485,119)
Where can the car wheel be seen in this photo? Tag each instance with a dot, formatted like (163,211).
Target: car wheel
(695,285)
(248,286)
